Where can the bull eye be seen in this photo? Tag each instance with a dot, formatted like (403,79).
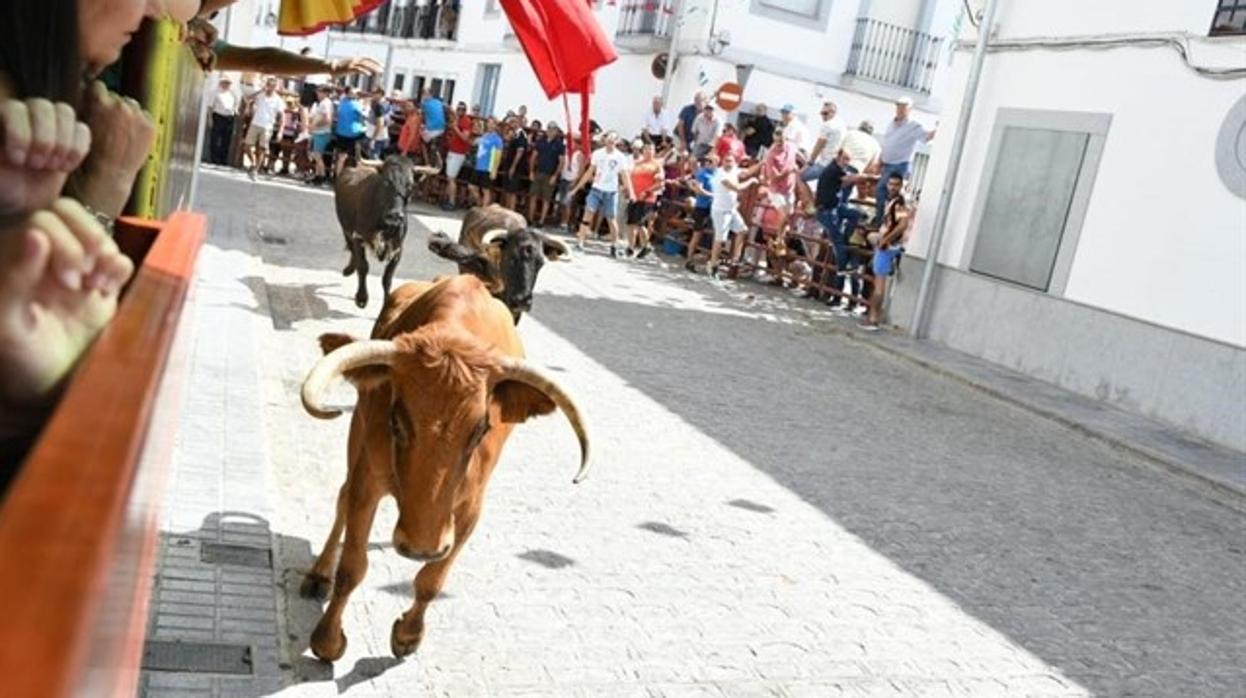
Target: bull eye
(398,426)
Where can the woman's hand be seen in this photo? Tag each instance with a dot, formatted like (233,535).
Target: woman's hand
(122,135)
(42,143)
(60,274)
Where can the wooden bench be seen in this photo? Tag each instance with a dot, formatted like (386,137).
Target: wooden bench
(78,525)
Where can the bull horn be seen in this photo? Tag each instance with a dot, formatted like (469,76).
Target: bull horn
(523,372)
(559,246)
(492,236)
(337,362)
(424,170)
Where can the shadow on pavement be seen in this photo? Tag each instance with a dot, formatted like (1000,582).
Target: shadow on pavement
(1104,570)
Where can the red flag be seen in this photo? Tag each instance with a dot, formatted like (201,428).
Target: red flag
(565,45)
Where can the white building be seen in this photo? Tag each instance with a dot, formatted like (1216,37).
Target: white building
(861,54)
(1097,233)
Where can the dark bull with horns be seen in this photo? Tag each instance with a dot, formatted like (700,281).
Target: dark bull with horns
(496,245)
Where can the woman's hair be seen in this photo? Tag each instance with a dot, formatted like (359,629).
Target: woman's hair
(39,49)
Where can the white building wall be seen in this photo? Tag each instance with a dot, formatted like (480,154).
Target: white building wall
(1078,17)
(1157,196)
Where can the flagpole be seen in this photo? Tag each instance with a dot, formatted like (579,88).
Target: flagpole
(672,52)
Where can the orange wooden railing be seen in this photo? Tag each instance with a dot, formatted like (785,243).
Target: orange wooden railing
(78,524)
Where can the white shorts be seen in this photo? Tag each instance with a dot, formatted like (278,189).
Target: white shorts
(454,163)
(728,221)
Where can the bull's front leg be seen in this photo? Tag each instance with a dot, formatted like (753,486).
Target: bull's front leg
(408,630)
(387,278)
(359,258)
(328,642)
(317,580)
(350,250)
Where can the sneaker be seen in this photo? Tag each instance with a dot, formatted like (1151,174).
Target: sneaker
(644,251)
(868,326)
(691,266)
(717,272)
(251,175)
(579,245)
(631,252)
(614,252)
(839,311)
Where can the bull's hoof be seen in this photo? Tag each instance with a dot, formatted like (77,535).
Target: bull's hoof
(350,269)
(401,645)
(361,300)
(328,649)
(315,586)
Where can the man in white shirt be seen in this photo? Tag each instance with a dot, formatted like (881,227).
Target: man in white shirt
(607,170)
(724,212)
(899,144)
(705,131)
(830,138)
(794,132)
(268,112)
(862,147)
(224,115)
(659,125)
(320,126)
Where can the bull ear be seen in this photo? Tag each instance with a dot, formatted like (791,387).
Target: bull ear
(364,378)
(520,402)
(553,248)
(471,261)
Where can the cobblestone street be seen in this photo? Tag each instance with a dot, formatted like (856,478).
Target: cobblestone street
(774,509)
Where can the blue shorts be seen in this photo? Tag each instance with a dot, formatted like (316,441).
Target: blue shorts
(320,142)
(607,202)
(885,260)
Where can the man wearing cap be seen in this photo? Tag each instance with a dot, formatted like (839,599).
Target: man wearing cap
(826,148)
(794,131)
(224,115)
(705,131)
(899,143)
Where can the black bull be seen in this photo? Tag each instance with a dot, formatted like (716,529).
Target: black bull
(496,245)
(372,210)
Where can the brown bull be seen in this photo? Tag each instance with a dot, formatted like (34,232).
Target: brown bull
(497,245)
(441,385)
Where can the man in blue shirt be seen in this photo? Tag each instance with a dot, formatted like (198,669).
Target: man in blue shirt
(687,116)
(899,145)
(488,157)
(349,130)
(434,123)
(702,185)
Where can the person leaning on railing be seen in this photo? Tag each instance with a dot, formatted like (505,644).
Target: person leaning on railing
(69,153)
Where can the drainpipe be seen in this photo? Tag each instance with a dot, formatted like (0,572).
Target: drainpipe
(672,52)
(917,328)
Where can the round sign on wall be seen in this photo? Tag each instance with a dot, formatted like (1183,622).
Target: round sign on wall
(729,96)
(1231,149)
(658,67)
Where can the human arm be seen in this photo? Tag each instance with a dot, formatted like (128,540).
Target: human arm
(519,154)
(122,134)
(585,177)
(278,62)
(562,164)
(817,149)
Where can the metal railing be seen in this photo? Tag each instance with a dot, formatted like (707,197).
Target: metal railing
(432,20)
(646,18)
(894,55)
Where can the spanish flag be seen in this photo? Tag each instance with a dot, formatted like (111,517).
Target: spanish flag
(303,17)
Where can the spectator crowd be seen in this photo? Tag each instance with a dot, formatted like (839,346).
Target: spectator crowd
(825,209)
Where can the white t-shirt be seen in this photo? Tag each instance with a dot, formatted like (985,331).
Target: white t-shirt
(607,168)
(660,124)
(797,135)
(861,147)
(225,103)
(705,131)
(268,108)
(575,163)
(322,110)
(833,133)
(724,199)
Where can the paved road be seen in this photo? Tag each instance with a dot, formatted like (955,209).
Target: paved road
(774,510)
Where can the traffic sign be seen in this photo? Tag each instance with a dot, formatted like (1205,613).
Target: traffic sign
(729,96)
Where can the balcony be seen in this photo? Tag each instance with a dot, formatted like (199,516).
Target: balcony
(646,18)
(893,55)
(432,20)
